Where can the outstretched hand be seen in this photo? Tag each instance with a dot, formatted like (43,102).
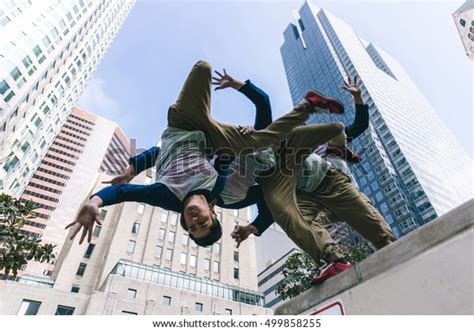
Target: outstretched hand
(353,87)
(88,215)
(222,81)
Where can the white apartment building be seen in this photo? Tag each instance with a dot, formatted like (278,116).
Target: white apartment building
(48,52)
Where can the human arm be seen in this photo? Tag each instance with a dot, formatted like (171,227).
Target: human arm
(361,119)
(263,220)
(137,164)
(263,111)
(155,194)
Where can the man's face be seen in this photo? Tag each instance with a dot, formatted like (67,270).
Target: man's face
(198,217)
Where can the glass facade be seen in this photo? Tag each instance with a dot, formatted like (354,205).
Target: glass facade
(412,168)
(187,282)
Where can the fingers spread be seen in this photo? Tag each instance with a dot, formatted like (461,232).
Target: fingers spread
(89,236)
(69,225)
(83,235)
(218,73)
(75,232)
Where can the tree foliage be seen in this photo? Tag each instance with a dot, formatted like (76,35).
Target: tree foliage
(18,247)
(299,269)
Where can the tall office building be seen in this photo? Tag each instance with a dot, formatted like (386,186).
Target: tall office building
(48,52)
(85,145)
(412,168)
(141,261)
(464,19)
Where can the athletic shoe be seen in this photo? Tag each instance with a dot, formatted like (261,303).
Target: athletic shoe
(330,270)
(324,104)
(343,153)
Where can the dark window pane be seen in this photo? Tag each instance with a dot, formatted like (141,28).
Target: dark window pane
(166,300)
(89,251)
(64,310)
(29,307)
(81,269)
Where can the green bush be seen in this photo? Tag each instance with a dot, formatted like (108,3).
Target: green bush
(18,247)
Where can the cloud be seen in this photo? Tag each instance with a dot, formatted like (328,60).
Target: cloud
(95,100)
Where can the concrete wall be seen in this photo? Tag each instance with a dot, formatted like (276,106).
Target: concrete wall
(12,295)
(429,271)
(114,300)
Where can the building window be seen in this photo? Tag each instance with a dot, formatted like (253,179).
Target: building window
(199,306)
(140,208)
(135,228)
(207,264)
(64,310)
(192,261)
(164,216)
(462,22)
(97,231)
(131,246)
(236,256)
(217,248)
(169,254)
(103,213)
(131,293)
(183,258)
(158,251)
(173,219)
(166,300)
(171,236)
(82,268)
(227,311)
(215,266)
(29,307)
(185,239)
(89,251)
(236,273)
(126,312)
(161,234)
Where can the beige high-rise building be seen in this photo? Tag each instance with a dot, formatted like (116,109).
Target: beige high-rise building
(85,144)
(140,261)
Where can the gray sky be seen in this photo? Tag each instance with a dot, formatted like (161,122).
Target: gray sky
(143,71)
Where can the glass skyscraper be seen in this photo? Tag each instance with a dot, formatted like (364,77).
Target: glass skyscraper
(48,52)
(412,167)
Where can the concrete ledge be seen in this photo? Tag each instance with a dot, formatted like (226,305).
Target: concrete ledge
(413,246)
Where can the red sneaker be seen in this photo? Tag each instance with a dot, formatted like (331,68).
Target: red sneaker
(324,104)
(343,153)
(331,269)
